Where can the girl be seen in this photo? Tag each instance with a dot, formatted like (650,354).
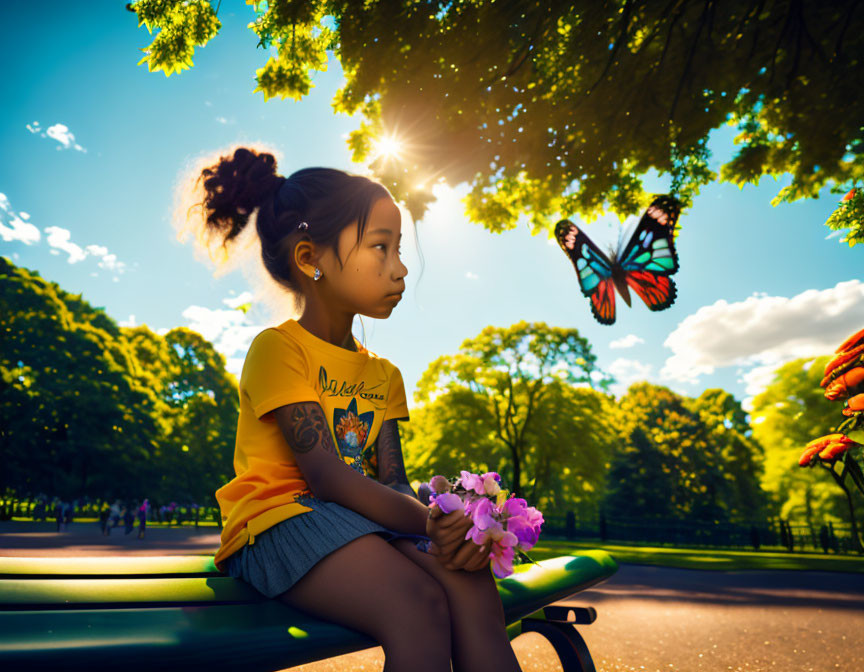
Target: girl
(309,518)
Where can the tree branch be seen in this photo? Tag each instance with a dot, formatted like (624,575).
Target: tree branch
(531,399)
(518,60)
(777,46)
(689,63)
(622,35)
(755,30)
(846,22)
(672,23)
(665,13)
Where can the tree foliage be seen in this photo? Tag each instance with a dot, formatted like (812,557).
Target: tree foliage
(684,458)
(849,215)
(560,108)
(499,400)
(91,408)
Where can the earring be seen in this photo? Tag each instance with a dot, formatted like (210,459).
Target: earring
(318,274)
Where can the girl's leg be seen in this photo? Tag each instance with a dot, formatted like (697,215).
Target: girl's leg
(479,634)
(369,586)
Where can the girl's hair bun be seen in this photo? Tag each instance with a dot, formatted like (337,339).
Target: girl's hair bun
(235,186)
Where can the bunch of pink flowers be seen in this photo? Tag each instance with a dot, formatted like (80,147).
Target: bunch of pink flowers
(510,523)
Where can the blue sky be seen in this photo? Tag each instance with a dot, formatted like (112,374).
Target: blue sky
(93,145)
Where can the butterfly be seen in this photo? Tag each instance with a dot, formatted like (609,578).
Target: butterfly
(646,262)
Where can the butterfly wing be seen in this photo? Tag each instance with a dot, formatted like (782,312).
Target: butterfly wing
(649,257)
(593,268)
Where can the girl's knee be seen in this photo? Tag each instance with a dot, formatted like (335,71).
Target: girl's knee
(431,597)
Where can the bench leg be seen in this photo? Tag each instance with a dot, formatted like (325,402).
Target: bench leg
(568,643)
(560,631)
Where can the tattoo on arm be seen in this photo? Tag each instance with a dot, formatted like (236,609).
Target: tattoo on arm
(391,467)
(309,429)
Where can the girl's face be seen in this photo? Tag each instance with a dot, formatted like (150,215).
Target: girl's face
(372,277)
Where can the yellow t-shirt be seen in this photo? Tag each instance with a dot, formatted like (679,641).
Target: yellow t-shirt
(287,364)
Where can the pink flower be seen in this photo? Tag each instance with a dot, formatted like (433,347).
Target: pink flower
(482,514)
(502,555)
(515,506)
(473,482)
(525,532)
(449,502)
(490,483)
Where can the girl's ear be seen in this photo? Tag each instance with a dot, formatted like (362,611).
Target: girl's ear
(306,257)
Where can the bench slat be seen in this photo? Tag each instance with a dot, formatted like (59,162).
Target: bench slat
(117,592)
(555,577)
(263,637)
(123,565)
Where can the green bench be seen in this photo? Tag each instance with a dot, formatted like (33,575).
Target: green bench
(179,613)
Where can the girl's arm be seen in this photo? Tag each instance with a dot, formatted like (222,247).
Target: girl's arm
(391,466)
(305,429)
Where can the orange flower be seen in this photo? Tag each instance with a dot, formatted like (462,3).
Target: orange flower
(851,342)
(849,196)
(826,447)
(855,405)
(840,363)
(842,385)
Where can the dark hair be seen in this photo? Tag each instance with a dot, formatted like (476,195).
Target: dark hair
(327,199)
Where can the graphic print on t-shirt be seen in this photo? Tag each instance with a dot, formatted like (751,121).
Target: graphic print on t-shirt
(335,388)
(351,430)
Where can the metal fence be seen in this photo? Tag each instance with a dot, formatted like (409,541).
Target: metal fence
(773,534)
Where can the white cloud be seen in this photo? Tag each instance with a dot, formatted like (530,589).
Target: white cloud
(58,239)
(128,323)
(58,132)
(627,341)
(627,371)
(763,332)
(97,250)
(471,276)
(18,229)
(228,330)
(239,300)
(61,239)
(110,262)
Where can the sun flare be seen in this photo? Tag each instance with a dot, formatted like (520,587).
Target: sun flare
(388,147)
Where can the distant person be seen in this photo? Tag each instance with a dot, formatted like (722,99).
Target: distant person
(129,517)
(58,514)
(104,514)
(69,513)
(113,517)
(142,518)
(39,510)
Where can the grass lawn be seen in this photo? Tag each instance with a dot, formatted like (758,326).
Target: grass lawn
(704,558)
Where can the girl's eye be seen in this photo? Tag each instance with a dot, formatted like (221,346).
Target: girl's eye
(398,250)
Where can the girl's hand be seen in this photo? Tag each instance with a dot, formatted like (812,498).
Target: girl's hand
(447,532)
(469,556)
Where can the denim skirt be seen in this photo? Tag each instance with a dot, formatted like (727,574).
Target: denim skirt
(282,554)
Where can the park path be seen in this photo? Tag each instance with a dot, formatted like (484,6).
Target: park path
(653,619)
